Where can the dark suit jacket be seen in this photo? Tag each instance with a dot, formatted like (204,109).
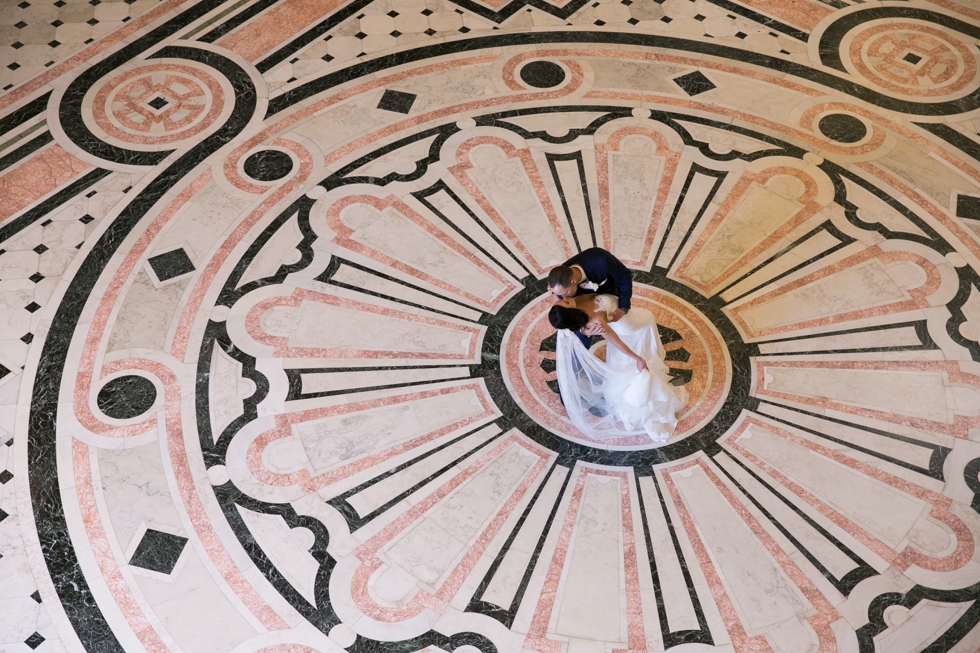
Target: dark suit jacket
(613,277)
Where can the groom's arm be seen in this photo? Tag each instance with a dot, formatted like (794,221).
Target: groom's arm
(623,278)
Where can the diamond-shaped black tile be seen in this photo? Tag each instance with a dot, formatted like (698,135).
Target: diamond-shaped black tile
(397,101)
(24,5)
(740,35)
(32,307)
(47,222)
(27,338)
(360,35)
(57,23)
(327,57)
(49,64)
(600,23)
(327,38)
(290,80)
(294,60)
(8,87)
(172,264)
(93,21)
(458,11)
(784,52)
(126,19)
(912,58)
(85,219)
(426,12)
(127,189)
(665,19)
(20,25)
(5,477)
(36,596)
(632,21)
(36,277)
(429,31)
(34,640)
(396,34)
(4,372)
(95,3)
(694,83)
(55,43)
(158,103)
(464,29)
(158,551)
(968,207)
(393,13)
(62,3)
(87,41)
(3,514)
(40,249)
(699,17)
(626,2)
(16,45)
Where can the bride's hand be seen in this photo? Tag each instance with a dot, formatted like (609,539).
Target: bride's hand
(640,364)
(593,328)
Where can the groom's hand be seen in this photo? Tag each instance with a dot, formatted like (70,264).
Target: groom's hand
(615,315)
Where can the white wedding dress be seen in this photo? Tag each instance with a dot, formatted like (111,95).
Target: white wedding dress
(610,399)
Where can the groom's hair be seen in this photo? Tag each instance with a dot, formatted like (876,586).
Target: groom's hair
(567,318)
(560,276)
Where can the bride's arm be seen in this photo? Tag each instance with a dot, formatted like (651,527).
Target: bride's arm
(613,338)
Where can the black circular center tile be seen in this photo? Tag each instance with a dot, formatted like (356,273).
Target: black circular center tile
(127,396)
(842,128)
(542,74)
(268,165)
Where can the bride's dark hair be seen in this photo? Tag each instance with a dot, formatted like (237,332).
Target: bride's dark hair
(567,318)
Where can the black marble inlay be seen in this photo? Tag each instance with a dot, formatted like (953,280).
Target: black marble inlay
(912,58)
(127,396)
(3,371)
(542,74)
(5,477)
(968,207)
(158,103)
(172,264)
(158,551)
(36,639)
(842,128)
(36,596)
(268,165)
(694,83)
(397,101)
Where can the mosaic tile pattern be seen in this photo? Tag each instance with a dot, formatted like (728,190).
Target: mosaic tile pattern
(274,369)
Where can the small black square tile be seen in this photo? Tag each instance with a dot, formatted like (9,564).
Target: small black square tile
(158,103)
(699,17)
(360,16)
(32,307)
(40,249)
(8,87)
(3,514)
(600,23)
(85,219)
(327,57)
(36,596)
(632,21)
(783,52)
(397,101)
(740,35)
(360,35)
(87,41)
(57,23)
(34,640)
(93,21)
(912,58)
(5,477)
(290,80)
(626,2)
(393,13)
(428,12)
(24,5)
(665,19)
(327,38)
(16,45)
(172,264)
(10,442)
(27,338)
(4,372)
(49,64)
(694,83)
(36,277)
(20,25)
(458,11)
(464,29)
(126,19)
(158,551)
(429,31)
(47,222)
(294,60)
(55,43)
(396,34)
(127,189)
(91,194)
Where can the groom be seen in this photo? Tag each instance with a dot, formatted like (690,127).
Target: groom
(593,271)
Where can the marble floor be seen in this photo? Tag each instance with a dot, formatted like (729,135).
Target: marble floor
(275,369)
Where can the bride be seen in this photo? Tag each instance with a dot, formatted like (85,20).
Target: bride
(627,394)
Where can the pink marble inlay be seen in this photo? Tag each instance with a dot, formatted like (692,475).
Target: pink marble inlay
(348,238)
(602,155)
(37,176)
(918,297)
(302,478)
(808,208)
(370,563)
(908,556)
